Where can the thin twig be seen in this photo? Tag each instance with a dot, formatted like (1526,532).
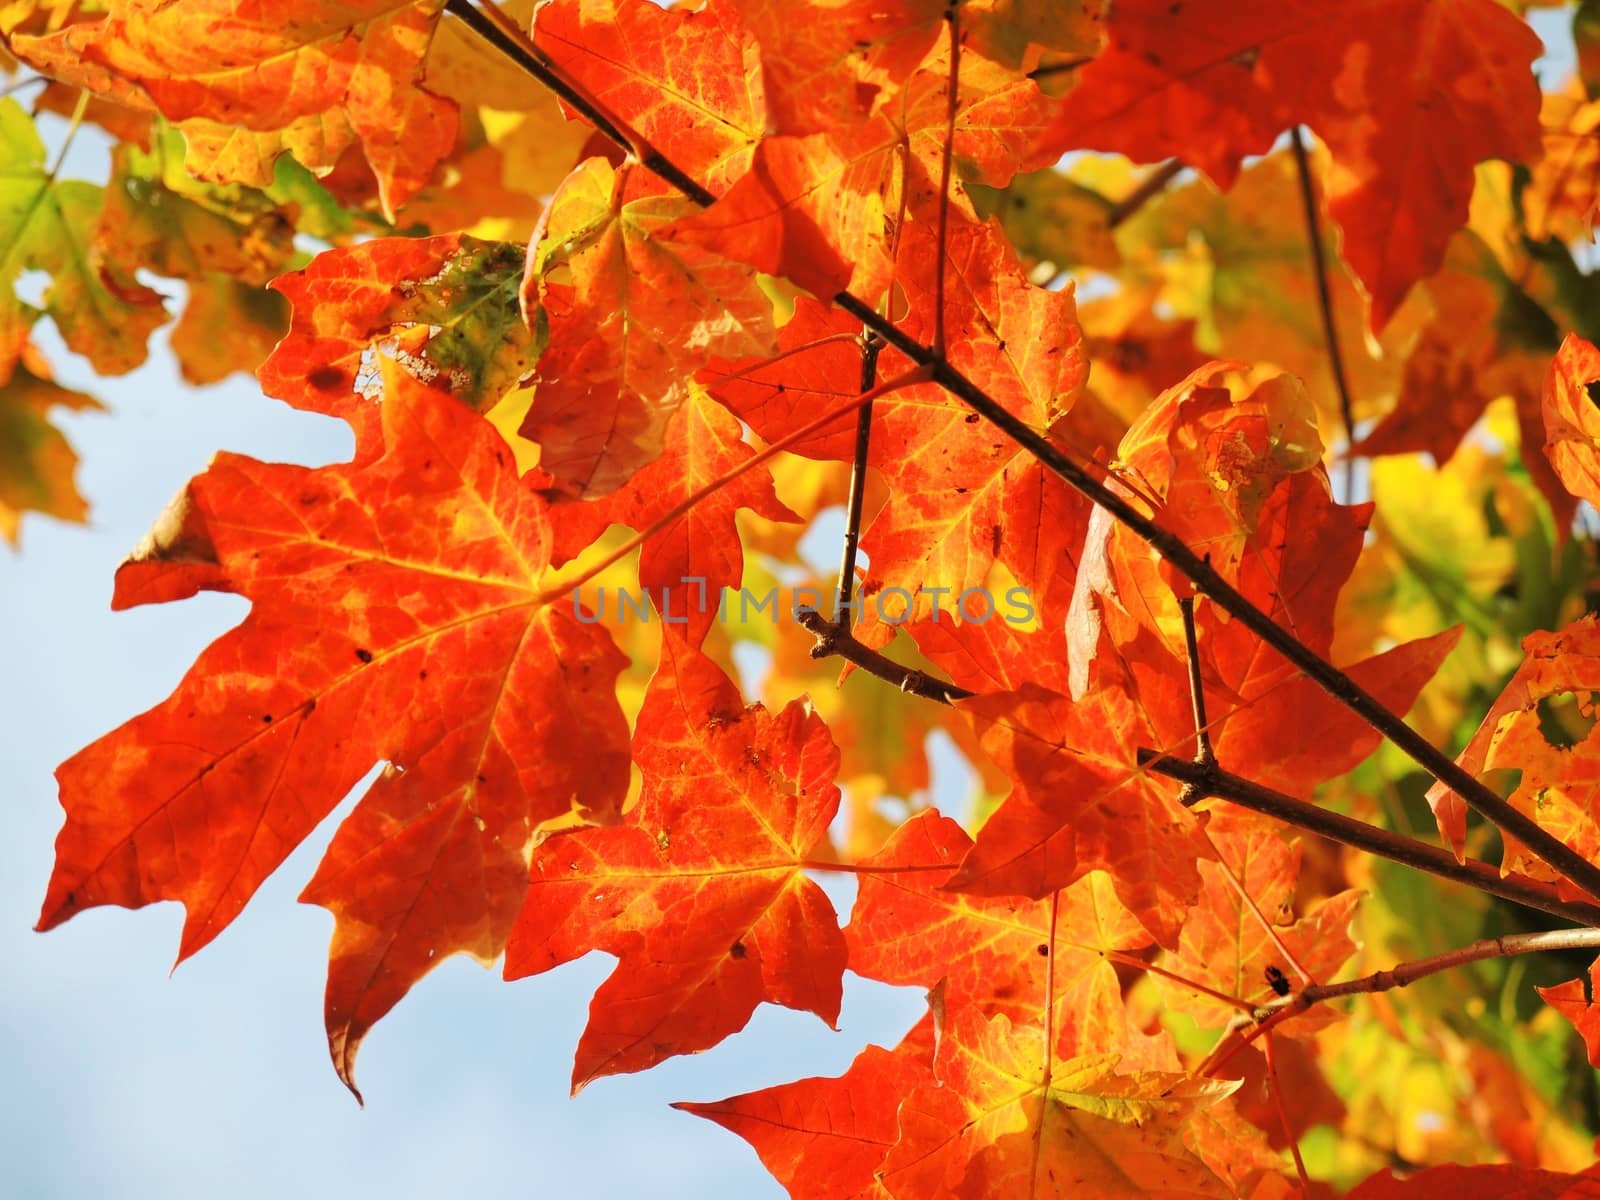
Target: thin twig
(833,639)
(1330,331)
(1150,186)
(871,347)
(1059,68)
(1204,752)
(952,16)
(1169,546)
(1213,781)
(1406,973)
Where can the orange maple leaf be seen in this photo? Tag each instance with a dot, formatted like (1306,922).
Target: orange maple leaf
(702,894)
(398,615)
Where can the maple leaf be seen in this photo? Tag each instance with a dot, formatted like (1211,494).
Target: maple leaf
(48,225)
(281,79)
(36,462)
(1574,1001)
(630,317)
(1011,1115)
(1482,1183)
(1560,786)
(1078,804)
(702,893)
(689,82)
(1407,94)
(821,1138)
(961,497)
(686,564)
(822,209)
(398,614)
(999,954)
(1572,417)
(445,306)
(1245,924)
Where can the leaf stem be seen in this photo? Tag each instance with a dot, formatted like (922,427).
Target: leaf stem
(1330,331)
(1214,781)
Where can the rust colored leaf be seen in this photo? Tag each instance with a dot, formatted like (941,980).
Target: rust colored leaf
(822,1138)
(1574,1001)
(1572,417)
(1013,1117)
(999,954)
(397,616)
(1079,804)
(1482,1183)
(1408,95)
(445,307)
(630,316)
(686,565)
(279,75)
(702,893)
(689,82)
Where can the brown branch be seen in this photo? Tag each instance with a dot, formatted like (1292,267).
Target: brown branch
(1203,753)
(1330,331)
(871,347)
(833,639)
(1150,186)
(1214,781)
(1406,973)
(1172,548)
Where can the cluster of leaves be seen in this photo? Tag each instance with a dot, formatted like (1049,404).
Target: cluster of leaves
(759,261)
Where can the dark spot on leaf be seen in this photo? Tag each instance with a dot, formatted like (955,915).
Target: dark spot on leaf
(1042,950)
(267,719)
(326,379)
(971,418)
(738,950)
(364,655)
(1277,981)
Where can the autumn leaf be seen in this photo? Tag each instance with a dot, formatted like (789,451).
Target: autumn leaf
(1559,786)
(689,82)
(711,861)
(36,462)
(1407,94)
(821,1138)
(630,316)
(1079,804)
(1482,1183)
(1012,1116)
(48,225)
(999,954)
(1572,417)
(1574,1001)
(278,78)
(446,307)
(686,564)
(398,615)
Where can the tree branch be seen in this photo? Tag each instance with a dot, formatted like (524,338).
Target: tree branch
(833,638)
(1335,682)
(1406,973)
(1330,332)
(1214,781)
(1149,187)
(871,347)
